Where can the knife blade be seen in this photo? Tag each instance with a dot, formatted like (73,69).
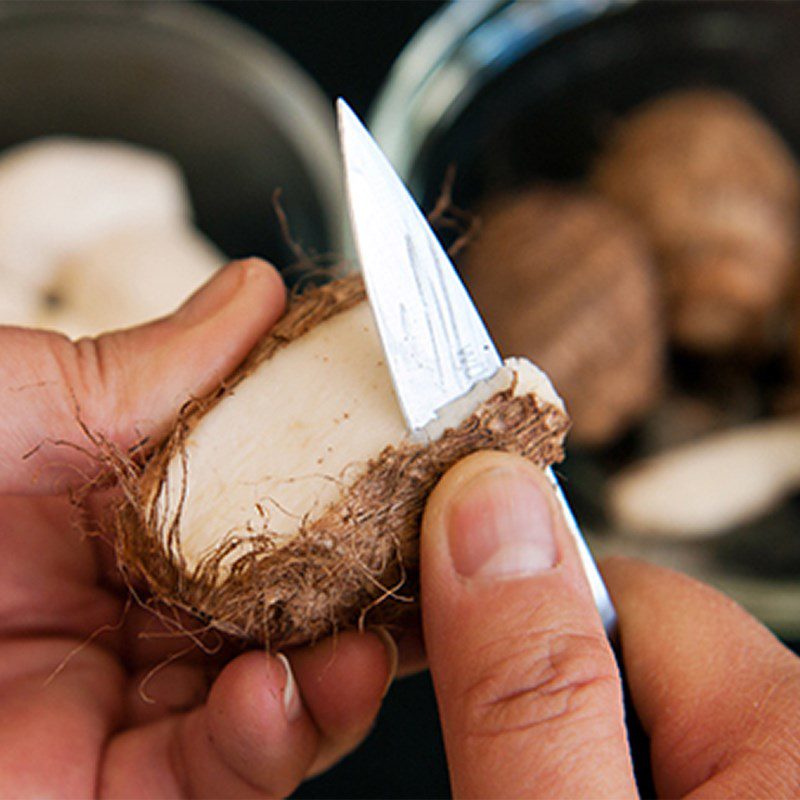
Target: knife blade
(435,342)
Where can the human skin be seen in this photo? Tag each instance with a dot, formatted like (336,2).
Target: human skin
(527,683)
(97,696)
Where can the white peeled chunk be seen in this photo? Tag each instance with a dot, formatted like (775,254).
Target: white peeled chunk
(129,277)
(295,432)
(59,194)
(19,303)
(711,485)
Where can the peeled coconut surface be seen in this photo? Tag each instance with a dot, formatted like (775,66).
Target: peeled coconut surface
(19,305)
(287,505)
(710,485)
(58,194)
(128,277)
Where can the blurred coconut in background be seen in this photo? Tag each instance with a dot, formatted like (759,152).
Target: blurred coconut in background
(141,147)
(632,171)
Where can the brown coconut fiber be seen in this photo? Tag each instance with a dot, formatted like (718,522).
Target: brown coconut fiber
(355,563)
(717,191)
(564,278)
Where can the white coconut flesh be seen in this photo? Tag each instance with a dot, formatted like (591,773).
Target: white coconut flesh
(59,194)
(710,485)
(18,304)
(128,277)
(292,436)
(95,235)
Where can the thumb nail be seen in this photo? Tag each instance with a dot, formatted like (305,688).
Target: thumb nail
(292,704)
(500,524)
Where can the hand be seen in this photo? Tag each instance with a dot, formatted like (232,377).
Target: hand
(96,697)
(527,685)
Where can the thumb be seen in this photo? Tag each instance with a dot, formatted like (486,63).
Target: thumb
(124,386)
(527,685)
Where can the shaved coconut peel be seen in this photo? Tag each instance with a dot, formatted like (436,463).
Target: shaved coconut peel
(287,505)
(59,194)
(129,277)
(18,303)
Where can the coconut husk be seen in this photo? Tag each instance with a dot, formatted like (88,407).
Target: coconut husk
(718,192)
(564,278)
(356,562)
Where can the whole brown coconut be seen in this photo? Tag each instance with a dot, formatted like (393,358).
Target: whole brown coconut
(718,192)
(563,277)
(287,504)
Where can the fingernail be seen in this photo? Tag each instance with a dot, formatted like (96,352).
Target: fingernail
(392,655)
(500,525)
(218,291)
(291,697)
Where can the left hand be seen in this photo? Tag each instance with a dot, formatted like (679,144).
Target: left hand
(97,697)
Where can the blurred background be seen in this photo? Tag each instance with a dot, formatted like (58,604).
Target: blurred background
(626,173)
(348,46)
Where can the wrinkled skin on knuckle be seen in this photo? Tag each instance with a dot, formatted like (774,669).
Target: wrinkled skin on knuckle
(751,773)
(779,771)
(549,678)
(92,370)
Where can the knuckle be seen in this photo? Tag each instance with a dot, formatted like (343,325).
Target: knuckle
(548,678)
(91,370)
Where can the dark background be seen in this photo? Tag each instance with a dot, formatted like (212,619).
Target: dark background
(348,48)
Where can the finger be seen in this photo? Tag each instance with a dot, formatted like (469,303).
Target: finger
(717,693)
(342,681)
(126,385)
(47,575)
(159,692)
(155,636)
(526,682)
(252,738)
(59,702)
(411,654)
(267,722)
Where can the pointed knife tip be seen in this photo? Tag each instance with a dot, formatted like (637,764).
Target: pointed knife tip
(343,111)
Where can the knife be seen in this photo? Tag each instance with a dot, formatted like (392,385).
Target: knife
(435,342)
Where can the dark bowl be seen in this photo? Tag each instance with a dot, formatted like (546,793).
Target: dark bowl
(239,117)
(511,93)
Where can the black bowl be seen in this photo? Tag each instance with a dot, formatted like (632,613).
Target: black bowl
(238,116)
(546,113)
(530,91)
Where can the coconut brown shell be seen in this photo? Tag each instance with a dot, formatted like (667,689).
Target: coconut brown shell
(356,563)
(564,278)
(718,193)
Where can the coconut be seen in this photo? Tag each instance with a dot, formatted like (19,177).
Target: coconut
(565,278)
(59,194)
(128,277)
(286,505)
(19,304)
(718,192)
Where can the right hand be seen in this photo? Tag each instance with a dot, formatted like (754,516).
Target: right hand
(528,687)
